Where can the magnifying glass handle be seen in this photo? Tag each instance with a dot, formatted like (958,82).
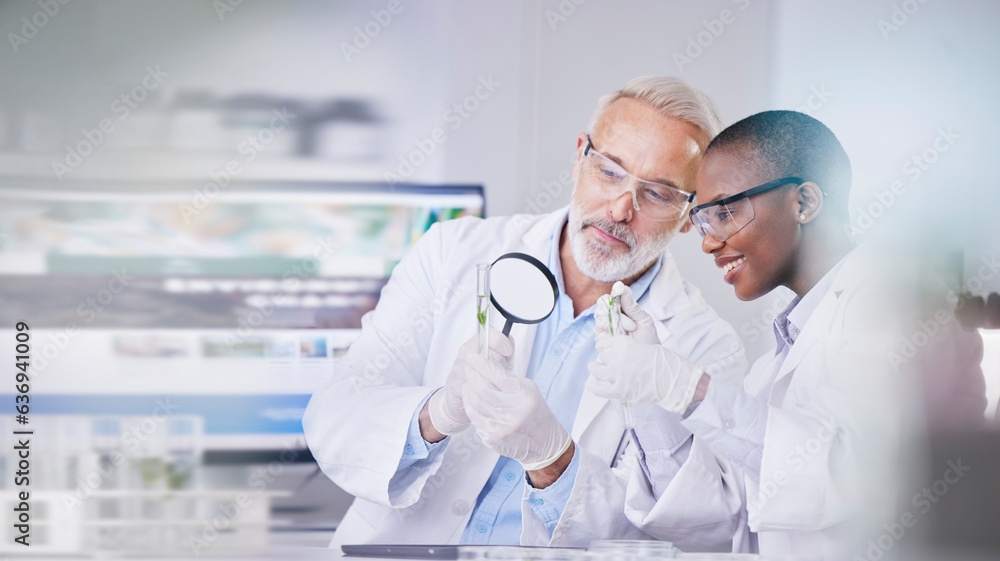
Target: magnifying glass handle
(506,327)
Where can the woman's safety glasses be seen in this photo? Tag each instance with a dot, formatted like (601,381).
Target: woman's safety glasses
(652,200)
(723,218)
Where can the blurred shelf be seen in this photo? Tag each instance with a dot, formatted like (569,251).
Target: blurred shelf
(160,522)
(180,493)
(179,166)
(246,525)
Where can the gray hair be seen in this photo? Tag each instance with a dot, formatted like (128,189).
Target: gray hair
(672,97)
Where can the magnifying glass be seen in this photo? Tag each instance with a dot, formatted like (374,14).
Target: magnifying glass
(522,289)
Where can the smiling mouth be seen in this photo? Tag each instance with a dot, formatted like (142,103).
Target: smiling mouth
(732,265)
(731,269)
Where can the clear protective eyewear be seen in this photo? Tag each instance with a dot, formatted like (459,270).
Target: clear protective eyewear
(723,218)
(655,201)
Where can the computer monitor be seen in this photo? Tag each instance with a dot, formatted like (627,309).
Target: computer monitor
(230,307)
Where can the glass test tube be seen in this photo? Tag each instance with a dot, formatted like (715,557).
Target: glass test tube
(627,417)
(483,309)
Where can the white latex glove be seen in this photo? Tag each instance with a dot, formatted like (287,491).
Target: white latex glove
(511,416)
(619,314)
(446,407)
(633,371)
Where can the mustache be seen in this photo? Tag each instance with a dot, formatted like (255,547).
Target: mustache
(615,229)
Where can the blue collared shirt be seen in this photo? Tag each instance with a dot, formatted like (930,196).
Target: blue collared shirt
(789,323)
(563,347)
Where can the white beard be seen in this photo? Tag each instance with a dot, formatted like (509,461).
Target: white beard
(601,261)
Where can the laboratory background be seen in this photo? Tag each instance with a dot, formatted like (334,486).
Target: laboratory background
(169,168)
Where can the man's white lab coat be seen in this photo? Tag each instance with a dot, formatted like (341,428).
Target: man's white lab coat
(356,427)
(833,423)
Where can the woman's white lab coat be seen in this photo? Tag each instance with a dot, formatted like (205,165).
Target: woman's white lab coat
(831,422)
(356,427)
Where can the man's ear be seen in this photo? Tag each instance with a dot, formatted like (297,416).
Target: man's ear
(810,202)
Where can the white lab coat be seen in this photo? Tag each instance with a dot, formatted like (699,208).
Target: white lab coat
(356,427)
(833,425)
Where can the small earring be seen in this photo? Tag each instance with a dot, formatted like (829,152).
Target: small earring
(802,217)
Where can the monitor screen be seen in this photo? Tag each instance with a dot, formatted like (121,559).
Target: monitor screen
(231,309)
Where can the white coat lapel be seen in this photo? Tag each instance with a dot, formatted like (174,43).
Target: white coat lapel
(815,327)
(818,325)
(590,406)
(799,350)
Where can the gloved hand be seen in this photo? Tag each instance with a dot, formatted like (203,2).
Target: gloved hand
(630,370)
(511,416)
(619,314)
(446,407)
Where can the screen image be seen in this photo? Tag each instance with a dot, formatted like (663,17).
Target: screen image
(233,311)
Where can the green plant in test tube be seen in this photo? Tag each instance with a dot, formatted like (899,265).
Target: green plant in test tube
(611,323)
(614,310)
(483,308)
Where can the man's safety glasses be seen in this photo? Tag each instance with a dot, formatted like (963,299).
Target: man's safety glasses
(652,200)
(723,218)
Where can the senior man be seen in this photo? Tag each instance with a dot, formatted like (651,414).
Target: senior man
(441,446)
